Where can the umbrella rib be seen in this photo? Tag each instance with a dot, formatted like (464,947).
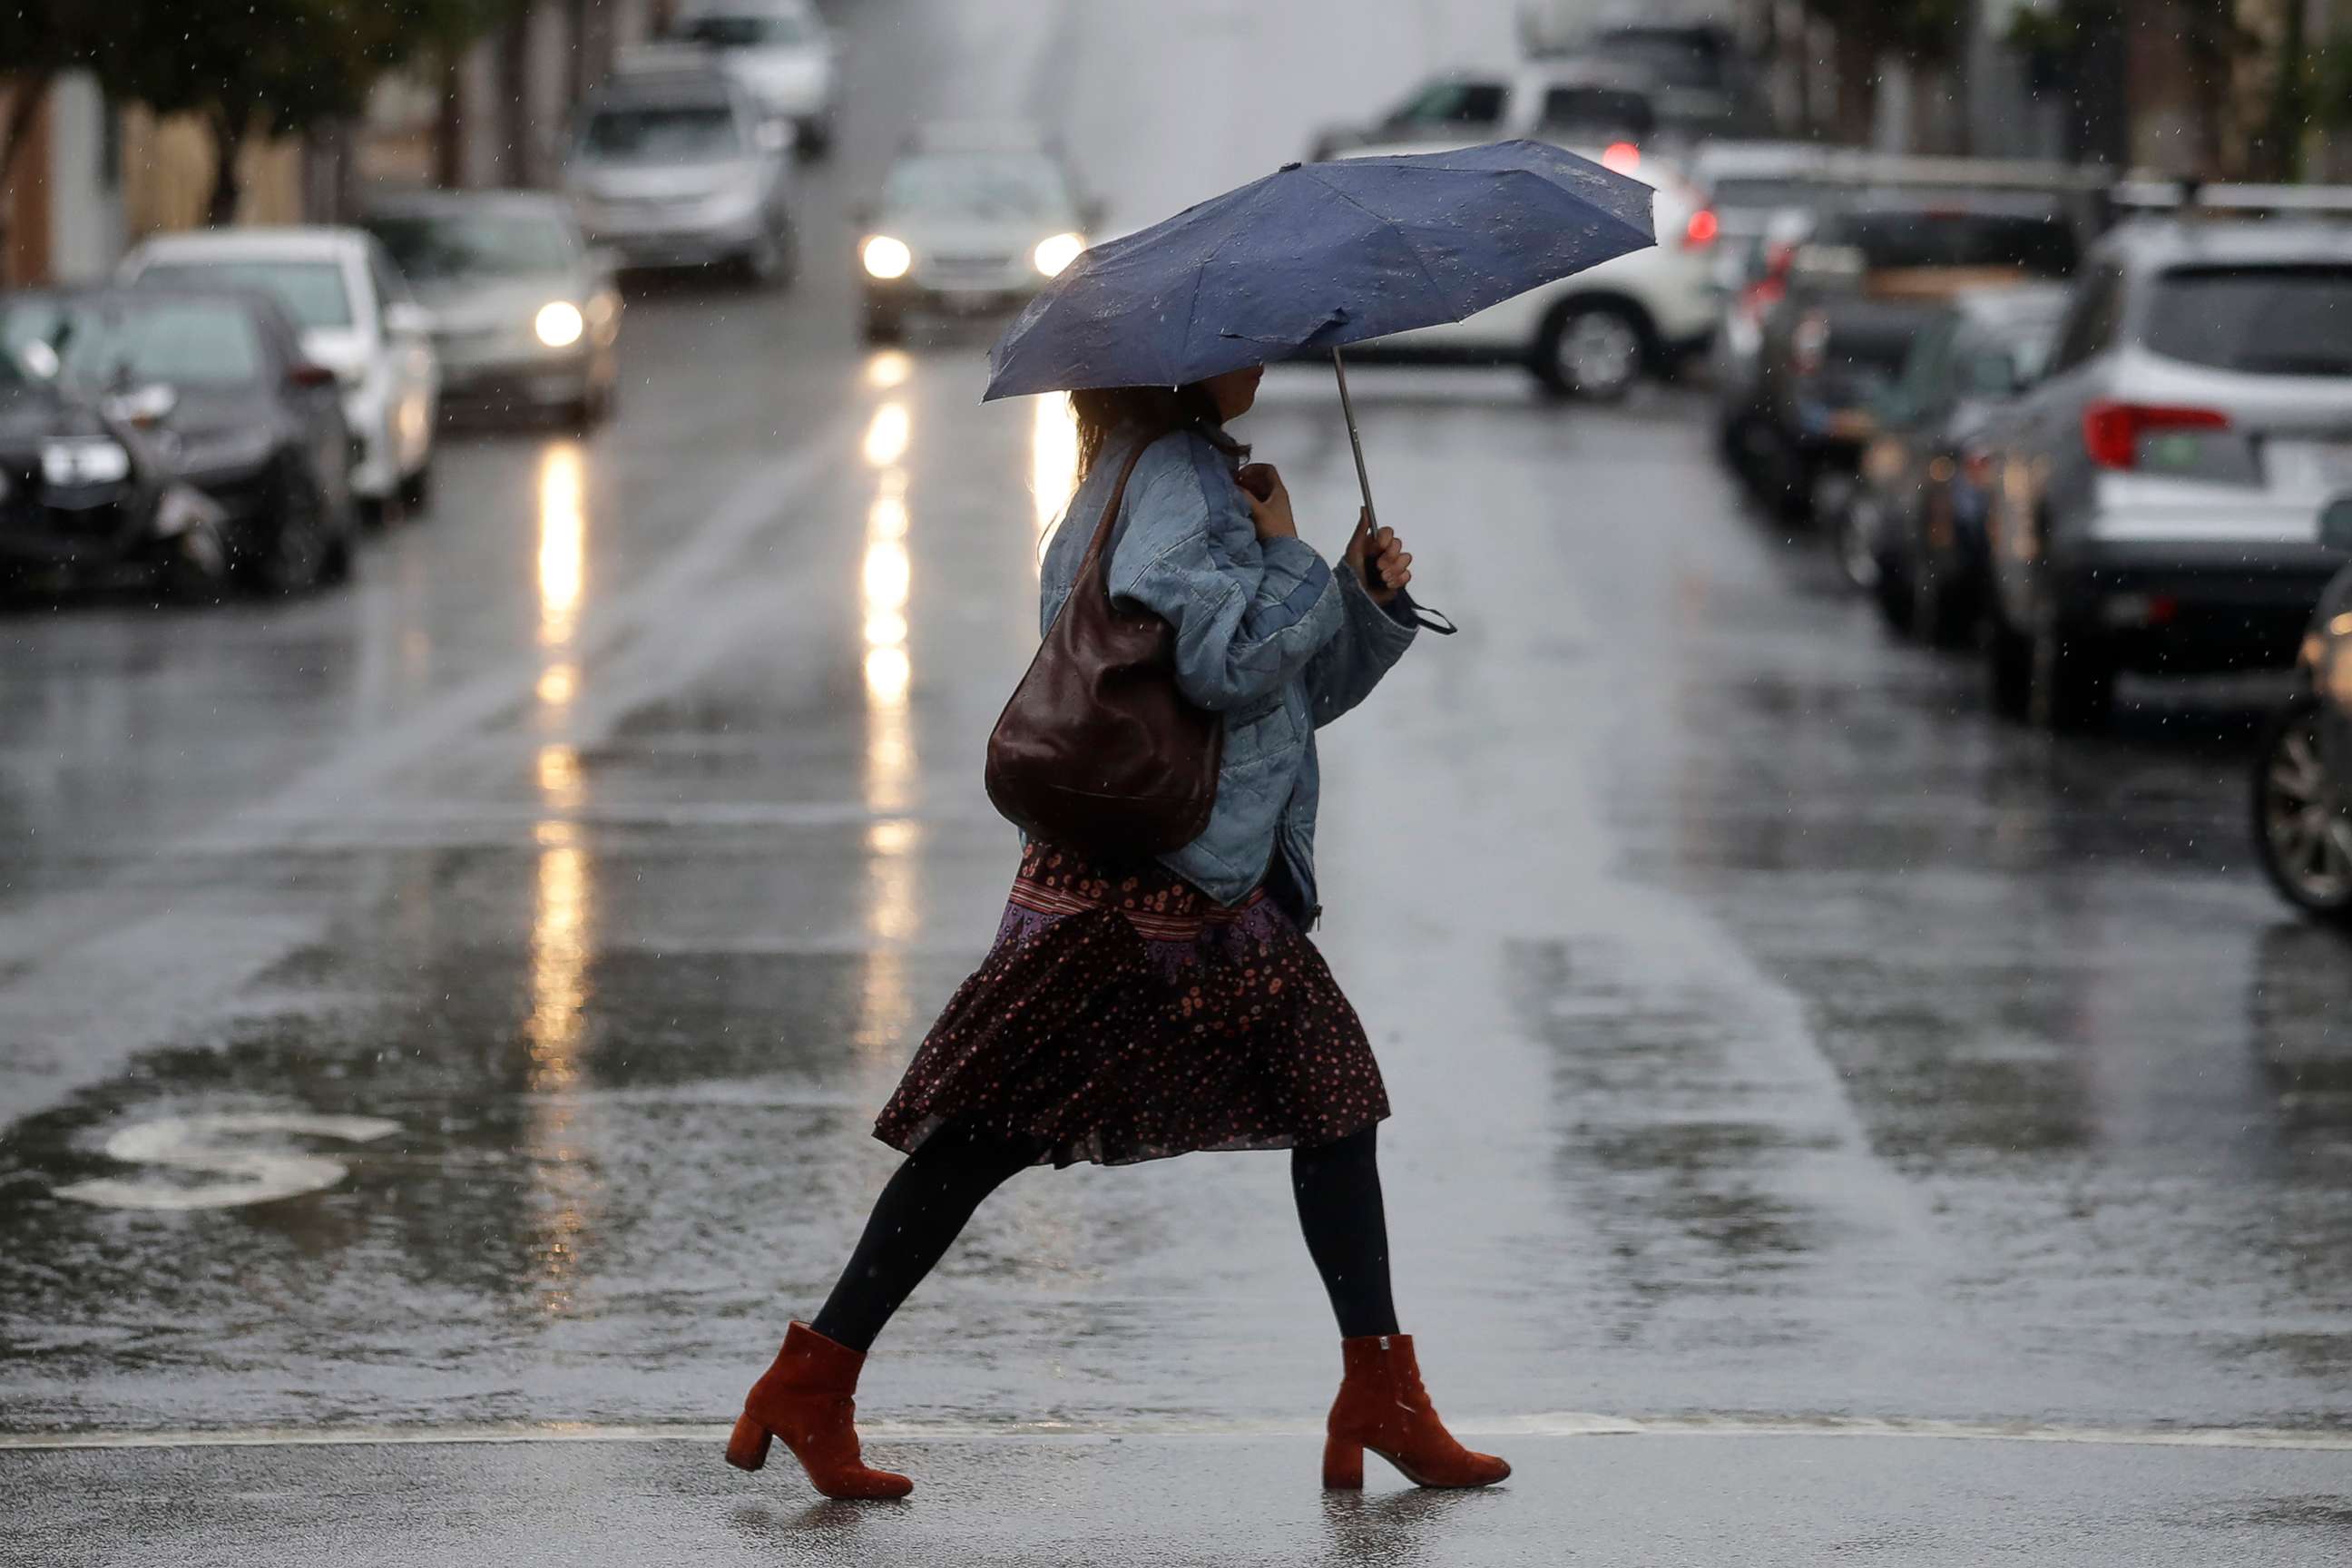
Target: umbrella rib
(1410,249)
(1192,307)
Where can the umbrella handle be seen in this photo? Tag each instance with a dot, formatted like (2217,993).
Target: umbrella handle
(1355,442)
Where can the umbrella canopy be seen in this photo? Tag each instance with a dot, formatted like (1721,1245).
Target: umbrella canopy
(1316,256)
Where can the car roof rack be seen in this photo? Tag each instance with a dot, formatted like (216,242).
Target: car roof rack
(2145,197)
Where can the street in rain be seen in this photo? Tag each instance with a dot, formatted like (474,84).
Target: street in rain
(510,581)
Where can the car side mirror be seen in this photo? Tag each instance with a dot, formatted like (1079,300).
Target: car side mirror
(309,375)
(2335,524)
(403,320)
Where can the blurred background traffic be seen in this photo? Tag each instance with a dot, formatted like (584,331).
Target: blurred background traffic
(510,580)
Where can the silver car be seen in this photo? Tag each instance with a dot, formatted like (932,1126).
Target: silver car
(524,313)
(680,167)
(2159,490)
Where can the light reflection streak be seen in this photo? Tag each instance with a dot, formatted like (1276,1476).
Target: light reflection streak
(1053,460)
(888,437)
(885,582)
(888,368)
(562,544)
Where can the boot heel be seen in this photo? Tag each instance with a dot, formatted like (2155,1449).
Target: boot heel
(747,1445)
(1343,1465)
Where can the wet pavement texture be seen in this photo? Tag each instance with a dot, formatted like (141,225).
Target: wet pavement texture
(1773,1033)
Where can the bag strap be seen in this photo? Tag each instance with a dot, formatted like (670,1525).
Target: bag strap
(1110,512)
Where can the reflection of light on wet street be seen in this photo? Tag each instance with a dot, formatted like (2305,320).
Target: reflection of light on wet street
(557,683)
(887,437)
(887,368)
(559,776)
(558,964)
(1052,458)
(562,541)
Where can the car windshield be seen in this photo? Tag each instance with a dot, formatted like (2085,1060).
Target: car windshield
(662,134)
(1895,239)
(1452,102)
(2263,321)
(977,186)
(186,342)
(744,29)
(312,291)
(439,247)
(1675,60)
(1612,108)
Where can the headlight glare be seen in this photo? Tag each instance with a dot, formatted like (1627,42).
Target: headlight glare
(1056,251)
(885,257)
(559,323)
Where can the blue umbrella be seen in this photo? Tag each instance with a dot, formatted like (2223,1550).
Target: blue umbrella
(1316,256)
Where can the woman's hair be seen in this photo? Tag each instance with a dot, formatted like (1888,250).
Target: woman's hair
(1153,411)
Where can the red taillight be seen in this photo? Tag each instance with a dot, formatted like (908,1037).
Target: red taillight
(1623,157)
(1702,228)
(2111,431)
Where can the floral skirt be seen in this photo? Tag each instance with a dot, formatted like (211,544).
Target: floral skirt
(1126,1016)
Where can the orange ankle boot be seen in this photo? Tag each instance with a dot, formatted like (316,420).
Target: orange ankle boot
(1383,1406)
(808,1398)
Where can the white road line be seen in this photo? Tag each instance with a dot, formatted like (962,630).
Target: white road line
(1556,1424)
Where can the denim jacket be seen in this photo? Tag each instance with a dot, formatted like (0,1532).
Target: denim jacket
(1266,634)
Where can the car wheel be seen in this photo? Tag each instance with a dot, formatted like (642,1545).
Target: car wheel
(195,569)
(2074,678)
(295,550)
(769,263)
(2301,830)
(2008,667)
(1596,351)
(416,488)
(814,140)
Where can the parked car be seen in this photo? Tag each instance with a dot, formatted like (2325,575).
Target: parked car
(2303,771)
(2162,485)
(970,218)
(524,312)
(1841,308)
(356,317)
(1571,102)
(782,53)
(1913,531)
(1596,334)
(1704,84)
(673,165)
(178,434)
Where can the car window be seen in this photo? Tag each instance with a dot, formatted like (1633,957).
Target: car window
(192,343)
(2090,320)
(1455,101)
(1894,239)
(431,248)
(1924,385)
(977,186)
(313,292)
(1616,109)
(662,134)
(2261,321)
(744,29)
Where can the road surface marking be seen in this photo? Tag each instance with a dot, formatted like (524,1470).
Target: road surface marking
(1554,1423)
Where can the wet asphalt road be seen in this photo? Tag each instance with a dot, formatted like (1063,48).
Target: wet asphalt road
(1774,1035)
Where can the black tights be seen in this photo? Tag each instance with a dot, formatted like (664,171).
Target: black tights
(926,1203)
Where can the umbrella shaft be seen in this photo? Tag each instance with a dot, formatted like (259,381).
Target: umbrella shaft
(1355,442)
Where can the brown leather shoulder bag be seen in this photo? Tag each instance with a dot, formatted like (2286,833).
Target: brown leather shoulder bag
(1098,751)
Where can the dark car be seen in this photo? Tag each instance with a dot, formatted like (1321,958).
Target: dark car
(2303,773)
(1913,532)
(209,390)
(1855,295)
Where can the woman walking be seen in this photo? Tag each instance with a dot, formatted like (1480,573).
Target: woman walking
(1136,1011)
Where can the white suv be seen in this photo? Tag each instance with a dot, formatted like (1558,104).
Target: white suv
(1597,333)
(356,317)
